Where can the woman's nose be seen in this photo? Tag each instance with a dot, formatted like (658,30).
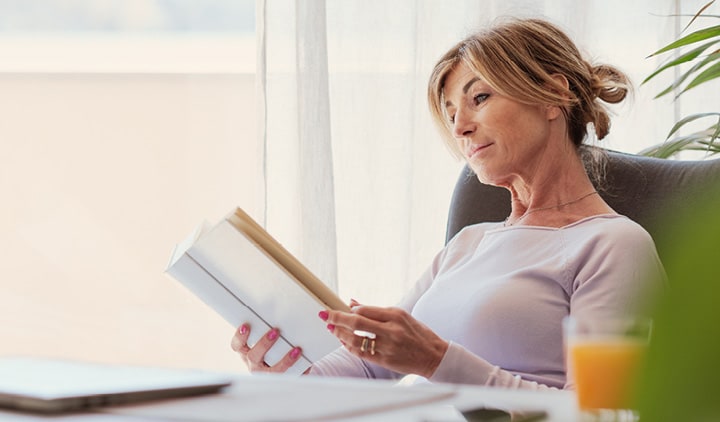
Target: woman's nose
(463,125)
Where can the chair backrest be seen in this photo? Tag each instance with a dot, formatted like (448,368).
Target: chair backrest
(642,188)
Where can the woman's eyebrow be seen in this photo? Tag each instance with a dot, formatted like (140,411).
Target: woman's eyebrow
(465,89)
(469,84)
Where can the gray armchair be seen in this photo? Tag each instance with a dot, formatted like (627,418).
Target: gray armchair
(644,189)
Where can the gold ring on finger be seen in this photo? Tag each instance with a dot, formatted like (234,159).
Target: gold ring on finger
(363,345)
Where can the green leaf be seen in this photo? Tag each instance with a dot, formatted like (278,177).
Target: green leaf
(708,150)
(712,57)
(702,9)
(689,119)
(691,55)
(715,136)
(708,145)
(707,75)
(669,148)
(696,36)
(698,141)
(703,70)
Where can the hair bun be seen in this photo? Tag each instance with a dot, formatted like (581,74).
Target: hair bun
(608,83)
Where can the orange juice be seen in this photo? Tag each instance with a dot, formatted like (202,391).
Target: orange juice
(605,371)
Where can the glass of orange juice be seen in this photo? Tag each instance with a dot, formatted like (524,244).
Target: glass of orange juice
(604,359)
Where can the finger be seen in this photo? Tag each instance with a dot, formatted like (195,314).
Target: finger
(346,337)
(343,334)
(377,313)
(351,339)
(363,347)
(239,340)
(342,319)
(257,353)
(288,360)
(354,303)
(352,321)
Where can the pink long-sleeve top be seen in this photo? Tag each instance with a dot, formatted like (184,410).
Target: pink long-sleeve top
(499,295)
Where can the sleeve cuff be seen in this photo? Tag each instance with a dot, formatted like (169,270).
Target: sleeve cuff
(460,366)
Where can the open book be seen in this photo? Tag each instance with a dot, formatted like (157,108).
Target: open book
(245,275)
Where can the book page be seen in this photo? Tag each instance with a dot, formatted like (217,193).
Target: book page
(245,224)
(204,284)
(251,275)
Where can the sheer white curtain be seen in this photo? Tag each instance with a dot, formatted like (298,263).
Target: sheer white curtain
(358,181)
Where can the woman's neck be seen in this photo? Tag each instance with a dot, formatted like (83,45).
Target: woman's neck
(556,194)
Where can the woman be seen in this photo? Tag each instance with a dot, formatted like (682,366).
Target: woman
(514,101)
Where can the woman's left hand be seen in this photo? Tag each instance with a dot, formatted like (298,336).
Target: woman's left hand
(402,343)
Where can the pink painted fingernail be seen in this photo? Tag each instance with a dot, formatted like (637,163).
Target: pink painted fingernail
(272,335)
(331,327)
(323,315)
(295,353)
(243,329)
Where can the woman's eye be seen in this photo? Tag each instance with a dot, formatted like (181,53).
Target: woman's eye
(451,119)
(479,98)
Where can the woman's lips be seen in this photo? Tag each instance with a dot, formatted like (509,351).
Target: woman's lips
(477,149)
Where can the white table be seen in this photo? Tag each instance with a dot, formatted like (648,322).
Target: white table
(285,398)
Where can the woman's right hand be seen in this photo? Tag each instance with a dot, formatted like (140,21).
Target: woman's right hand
(254,357)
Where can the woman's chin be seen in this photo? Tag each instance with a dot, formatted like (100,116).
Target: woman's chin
(488,177)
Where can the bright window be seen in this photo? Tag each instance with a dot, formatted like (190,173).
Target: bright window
(124,124)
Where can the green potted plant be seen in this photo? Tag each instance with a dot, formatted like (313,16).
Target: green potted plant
(704,61)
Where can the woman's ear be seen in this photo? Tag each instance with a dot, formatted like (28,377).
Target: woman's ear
(562,86)
(552,112)
(560,81)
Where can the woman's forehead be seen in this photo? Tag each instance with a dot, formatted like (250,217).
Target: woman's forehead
(459,80)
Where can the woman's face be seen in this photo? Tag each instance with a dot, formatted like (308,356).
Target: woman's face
(500,138)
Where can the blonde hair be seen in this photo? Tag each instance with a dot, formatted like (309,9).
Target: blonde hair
(518,58)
